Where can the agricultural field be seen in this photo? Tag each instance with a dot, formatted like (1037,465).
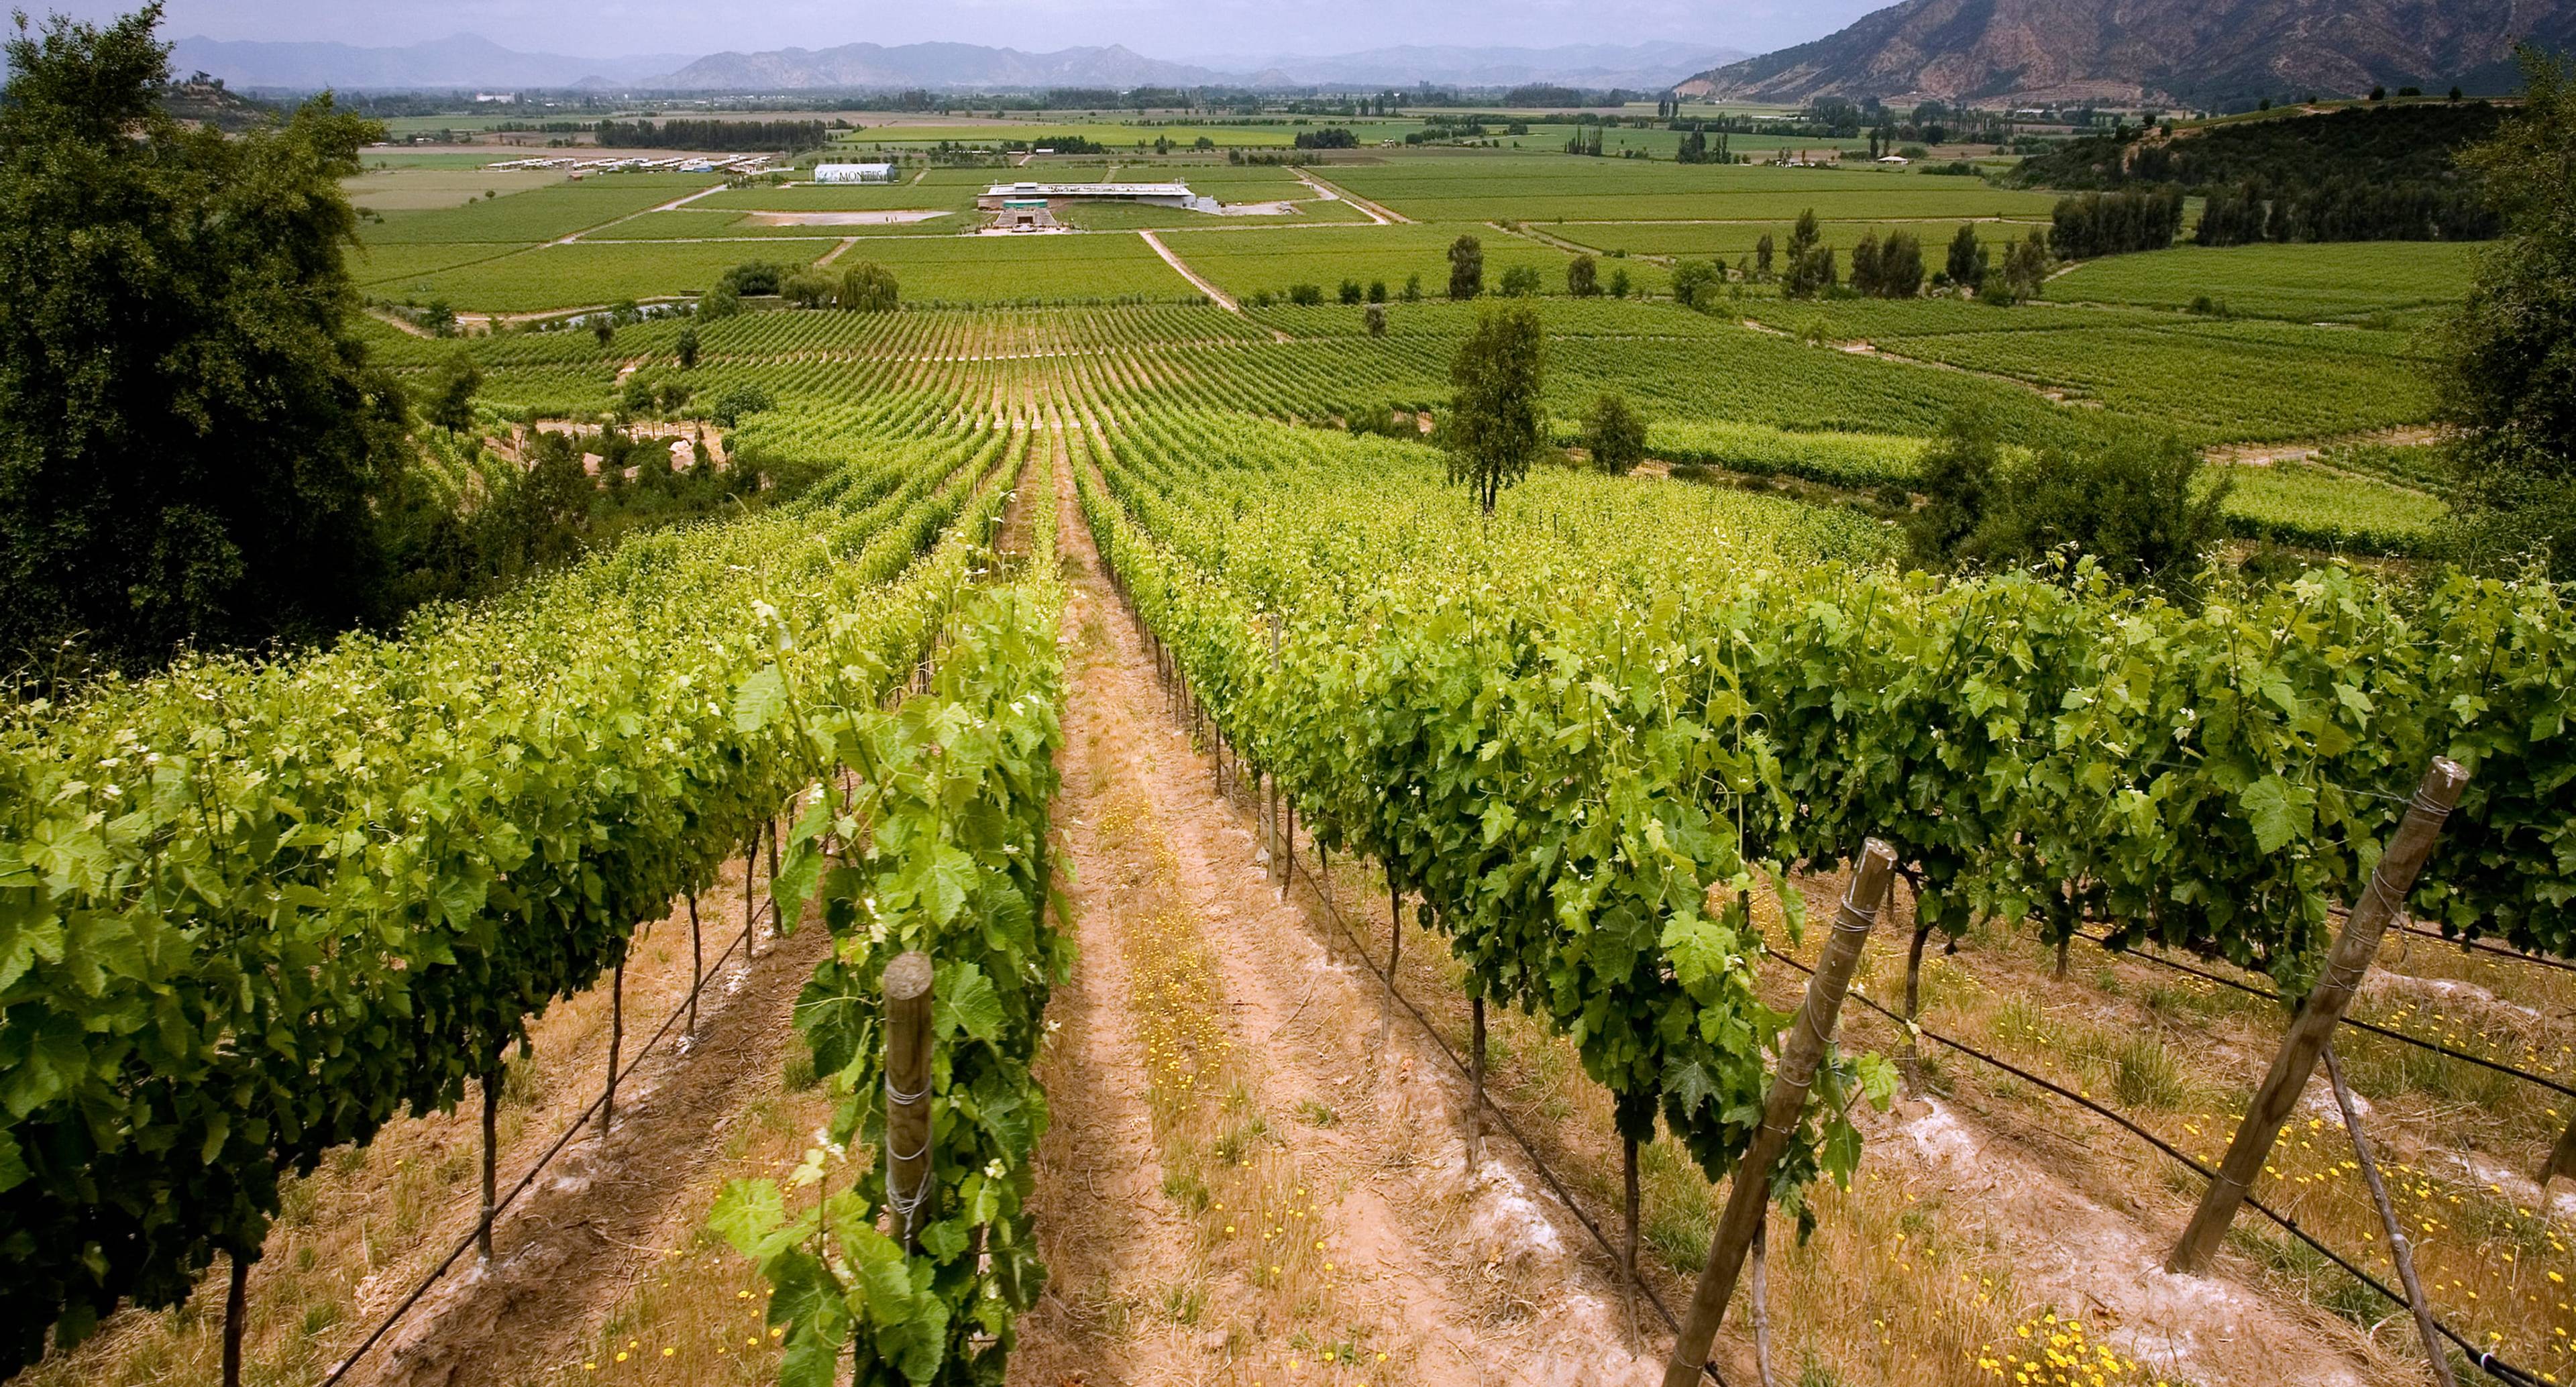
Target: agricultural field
(2299,282)
(419,189)
(1475,187)
(1314,925)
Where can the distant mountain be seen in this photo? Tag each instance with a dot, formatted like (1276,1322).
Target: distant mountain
(463,60)
(2192,52)
(1654,66)
(934,65)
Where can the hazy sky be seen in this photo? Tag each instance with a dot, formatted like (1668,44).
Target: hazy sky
(1156,28)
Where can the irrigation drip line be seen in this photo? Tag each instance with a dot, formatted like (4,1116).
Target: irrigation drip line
(2483,947)
(1510,1128)
(579,1123)
(2353,1021)
(2486,1362)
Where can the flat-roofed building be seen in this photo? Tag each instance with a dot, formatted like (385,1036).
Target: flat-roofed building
(854,173)
(1016,196)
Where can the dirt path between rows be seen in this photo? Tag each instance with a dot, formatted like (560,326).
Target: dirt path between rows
(1438,1274)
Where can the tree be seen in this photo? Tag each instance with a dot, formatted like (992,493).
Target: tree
(1413,288)
(1466,268)
(1695,284)
(192,442)
(1762,253)
(1375,317)
(1352,292)
(735,402)
(1377,291)
(1583,277)
(722,301)
(1966,265)
(1864,266)
(1958,486)
(2509,379)
(1521,282)
(449,401)
(688,347)
(2026,267)
(807,288)
(1619,282)
(868,287)
(1496,422)
(1614,434)
(1900,266)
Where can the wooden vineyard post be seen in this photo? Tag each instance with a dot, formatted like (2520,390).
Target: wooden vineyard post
(750,863)
(1802,1049)
(491,1111)
(616,1044)
(2399,1246)
(907,1004)
(697,962)
(236,1310)
(1628,1168)
(2354,948)
(777,923)
(1476,1076)
(2562,1157)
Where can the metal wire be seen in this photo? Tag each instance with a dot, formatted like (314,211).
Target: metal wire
(2488,1363)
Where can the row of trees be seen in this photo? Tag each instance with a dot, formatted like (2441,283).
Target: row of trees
(2345,209)
(863,286)
(2119,223)
(716,136)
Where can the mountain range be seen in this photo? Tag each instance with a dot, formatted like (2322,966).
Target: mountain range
(2211,53)
(467,60)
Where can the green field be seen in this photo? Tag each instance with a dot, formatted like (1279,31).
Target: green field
(581,274)
(542,214)
(1548,188)
(1122,136)
(417,189)
(1034,269)
(943,188)
(1248,262)
(2307,282)
(1114,216)
(1729,241)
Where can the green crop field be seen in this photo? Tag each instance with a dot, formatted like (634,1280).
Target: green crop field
(691,223)
(941,188)
(1115,216)
(1120,136)
(541,214)
(1547,188)
(1249,262)
(1730,241)
(583,274)
(1012,269)
(2308,282)
(416,189)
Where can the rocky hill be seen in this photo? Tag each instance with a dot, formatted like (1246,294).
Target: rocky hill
(2185,52)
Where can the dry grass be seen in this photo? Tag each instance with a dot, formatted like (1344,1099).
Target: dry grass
(1263,1245)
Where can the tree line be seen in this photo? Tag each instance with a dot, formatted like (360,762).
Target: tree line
(715,136)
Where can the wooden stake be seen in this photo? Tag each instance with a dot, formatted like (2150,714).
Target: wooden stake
(1628,1166)
(2323,1010)
(2398,1244)
(907,1009)
(1802,1049)
(1761,1307)
(616,1043)
(491,1110)
(2562,1157)
(1476,1074)
(697,962)
(236,1310)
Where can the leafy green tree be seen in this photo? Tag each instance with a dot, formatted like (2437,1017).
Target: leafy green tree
(1374,315)
(1763,251)
(1466,268)
(1413,288)
(868,287)
(2509,383)
(688,347)
(192,442)
(1967,263)
(1377,291)
(1958,484)
(1352,293)
(1619,282)
(808,288)
(1583,277)
(1614,434)
(449,401)
(1695,284)
(1496,424)
(1521,282)
(721,301)
(737,401)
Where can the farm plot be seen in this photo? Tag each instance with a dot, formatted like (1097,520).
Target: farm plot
(1543,188)
(1116,216)
(2345,280)
(1729,241)
(1027,269)
(691,223)
(1244,263)
(392,270)
(415,188)
(542,214)
(582,274)
(949,189)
